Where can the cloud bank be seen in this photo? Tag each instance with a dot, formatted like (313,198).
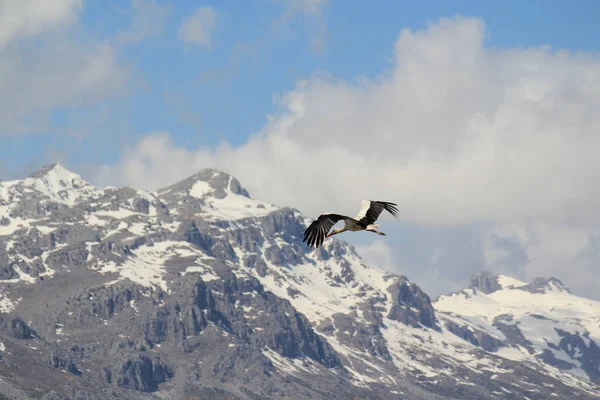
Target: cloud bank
(490,154)
(23,18)
(48,62)
(197,28)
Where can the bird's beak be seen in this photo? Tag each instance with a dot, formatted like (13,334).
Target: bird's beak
(329,234)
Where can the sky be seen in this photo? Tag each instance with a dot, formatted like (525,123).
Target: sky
(479,119)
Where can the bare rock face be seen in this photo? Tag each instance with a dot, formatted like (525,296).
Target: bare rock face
(286,331)
(485,281)
(143,373)
(476,337)
(7,271)
(62,360)
(200,291)
(21,330)
(411,305)
(366,336)
(582,350)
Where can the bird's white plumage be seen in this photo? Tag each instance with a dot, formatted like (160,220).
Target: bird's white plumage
(366,204)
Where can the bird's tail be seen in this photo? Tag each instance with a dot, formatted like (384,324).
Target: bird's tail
(373,226)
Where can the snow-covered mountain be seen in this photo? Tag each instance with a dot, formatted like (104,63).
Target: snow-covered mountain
(539,323)
(199,290)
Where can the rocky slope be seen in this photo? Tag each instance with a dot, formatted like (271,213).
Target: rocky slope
(200,291)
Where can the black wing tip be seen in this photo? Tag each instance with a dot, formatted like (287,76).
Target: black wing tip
(383,202)
(315,234)
(311,236)
(390,207)
(392,210)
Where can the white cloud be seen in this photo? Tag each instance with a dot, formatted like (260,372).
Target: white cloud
(566,252)
(197,28)
(22,18)
(458,134)
(149,20)
(155,156)
(48,61)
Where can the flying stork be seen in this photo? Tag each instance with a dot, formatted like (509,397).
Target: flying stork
(316,233)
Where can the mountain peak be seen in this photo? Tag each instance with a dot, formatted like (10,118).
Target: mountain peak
(47,169)
(485,281)
(215,194)
(56,170)
(58,184)
(211,181)
(545,285)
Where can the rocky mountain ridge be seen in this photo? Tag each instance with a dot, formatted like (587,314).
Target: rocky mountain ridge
(536,322)
(199,290)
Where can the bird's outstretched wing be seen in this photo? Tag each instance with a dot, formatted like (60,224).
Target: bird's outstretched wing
(371,210)
(316,231)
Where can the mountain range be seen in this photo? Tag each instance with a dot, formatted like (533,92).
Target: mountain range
(200,291)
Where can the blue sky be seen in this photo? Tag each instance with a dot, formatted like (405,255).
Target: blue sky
(478,118)
(205,95)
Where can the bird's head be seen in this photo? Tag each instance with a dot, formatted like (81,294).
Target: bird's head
(335,232)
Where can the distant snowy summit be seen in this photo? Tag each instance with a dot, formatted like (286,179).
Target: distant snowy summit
(539,321)
(488,282)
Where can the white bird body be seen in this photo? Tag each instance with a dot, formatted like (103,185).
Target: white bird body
(316,233)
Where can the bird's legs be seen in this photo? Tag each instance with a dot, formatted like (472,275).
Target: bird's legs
(375,231)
